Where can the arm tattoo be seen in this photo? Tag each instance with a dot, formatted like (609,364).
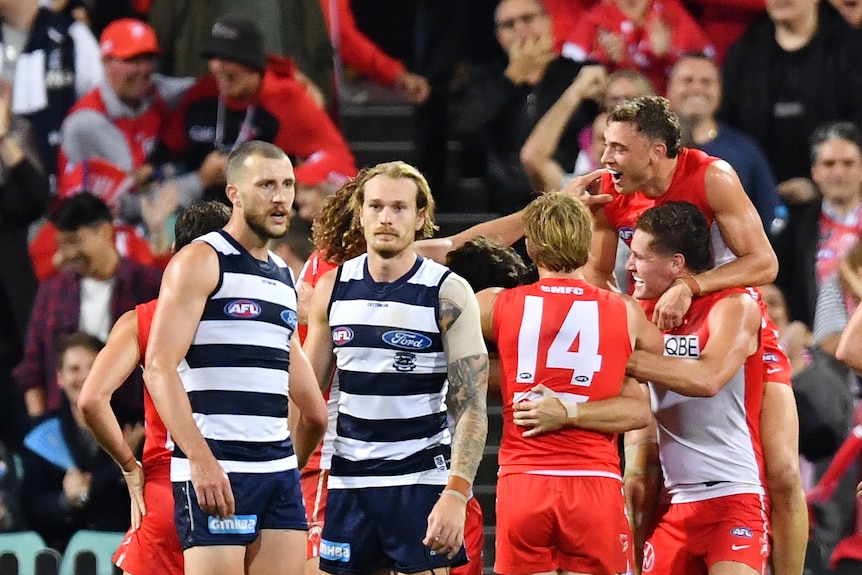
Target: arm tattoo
(468,387)
(449,313)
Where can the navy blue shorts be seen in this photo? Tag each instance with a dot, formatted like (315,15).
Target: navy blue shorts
(376,528)
(263,501)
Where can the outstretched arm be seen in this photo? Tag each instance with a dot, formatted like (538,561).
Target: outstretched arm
(114,363)
(506,231)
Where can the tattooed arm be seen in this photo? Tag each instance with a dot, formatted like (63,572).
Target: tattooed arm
(467,360)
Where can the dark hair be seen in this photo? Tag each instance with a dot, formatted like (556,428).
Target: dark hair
(77,339)
(834,131)
(679,228)
(245,151)
(484,263)
(199,219)
(79,211)
(653,117)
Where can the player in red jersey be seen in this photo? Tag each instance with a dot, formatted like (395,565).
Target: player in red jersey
(563,346)
(646,166)
(707,389)
(338,238)
(151,544)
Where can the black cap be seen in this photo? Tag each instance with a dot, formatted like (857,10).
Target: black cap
(236,40)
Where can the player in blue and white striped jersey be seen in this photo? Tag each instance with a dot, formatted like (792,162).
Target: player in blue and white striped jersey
(408,346)
(222,360)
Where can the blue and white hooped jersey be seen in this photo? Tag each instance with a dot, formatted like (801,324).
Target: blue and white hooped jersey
(392,373)
(236,370)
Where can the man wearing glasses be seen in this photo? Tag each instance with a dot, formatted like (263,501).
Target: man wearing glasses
(502,103)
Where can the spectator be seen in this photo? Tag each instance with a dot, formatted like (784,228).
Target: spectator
(724,21)
(644,35)
(850,10)
(97,287)
(245,97)
(361,53)
(51,60)
(70,483)
(819,233)
(502,104)
(24,196)
(109,133)
(292,28)
(317,178)
(838,298)
(694,92)
(794,68)
(538,151)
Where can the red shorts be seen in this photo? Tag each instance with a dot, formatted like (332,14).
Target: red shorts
(691,537)
(550,523)
(155,547)
(313,484)
(474,540)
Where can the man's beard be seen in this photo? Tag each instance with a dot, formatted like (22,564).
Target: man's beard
(255,223)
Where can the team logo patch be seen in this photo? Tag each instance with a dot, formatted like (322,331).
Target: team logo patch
(233,525)
(742,532)
(625,233)
(288,316)
(440,463)
(242,309)
(406,339)
(342,335)
(404,362)
(649,557)
(333,551)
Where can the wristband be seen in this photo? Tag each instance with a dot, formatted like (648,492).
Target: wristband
(691,284)
(456,494)
(571,410)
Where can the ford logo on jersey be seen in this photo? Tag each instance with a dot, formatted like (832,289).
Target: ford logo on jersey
(406,339)
(242,309)
(342,335)
(235,524)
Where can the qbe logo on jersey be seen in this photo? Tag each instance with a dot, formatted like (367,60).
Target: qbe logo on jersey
(242,309)
(682,346)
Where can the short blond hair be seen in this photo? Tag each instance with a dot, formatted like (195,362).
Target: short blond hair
(396,170)
(558,230)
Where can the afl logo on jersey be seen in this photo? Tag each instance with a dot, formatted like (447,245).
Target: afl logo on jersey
(242,309)
(342,335)
(406,339)
(626,233)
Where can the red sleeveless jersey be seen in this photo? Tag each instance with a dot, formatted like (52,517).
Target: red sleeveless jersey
(574,339)
(157,444)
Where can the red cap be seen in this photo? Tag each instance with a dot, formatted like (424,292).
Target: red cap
(322,167)
(127,38)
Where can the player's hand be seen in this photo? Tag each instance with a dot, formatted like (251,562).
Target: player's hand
(859,490)
(671,306)
(212,488)
(541,415)
(445,533)
(587,187)
(135,483)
